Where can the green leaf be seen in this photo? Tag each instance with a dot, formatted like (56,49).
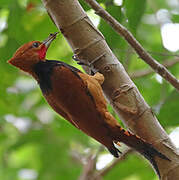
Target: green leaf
(175,18)
(127,169)
(134,12)
(169,114)
(114,40)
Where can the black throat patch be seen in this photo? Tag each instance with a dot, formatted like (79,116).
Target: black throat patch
(44,70)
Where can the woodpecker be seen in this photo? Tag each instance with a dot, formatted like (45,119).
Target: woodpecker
(78,97)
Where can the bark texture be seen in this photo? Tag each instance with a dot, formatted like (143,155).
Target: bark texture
(120,29)
(89,44)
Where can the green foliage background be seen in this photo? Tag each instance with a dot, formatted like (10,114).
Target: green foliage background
(47,146)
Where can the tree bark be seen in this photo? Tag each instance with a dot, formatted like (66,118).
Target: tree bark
(120,29)
(89,44)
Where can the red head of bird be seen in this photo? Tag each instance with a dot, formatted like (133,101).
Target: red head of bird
(31,53)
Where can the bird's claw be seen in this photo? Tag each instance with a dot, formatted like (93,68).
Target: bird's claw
(81,62)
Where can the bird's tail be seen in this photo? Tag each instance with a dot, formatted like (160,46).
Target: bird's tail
(144,148)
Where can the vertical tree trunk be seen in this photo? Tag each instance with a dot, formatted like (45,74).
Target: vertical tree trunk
(89,44)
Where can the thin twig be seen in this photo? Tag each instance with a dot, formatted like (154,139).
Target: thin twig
(163,54)
(146,72)
(89,168)
(120,29)
(104,171)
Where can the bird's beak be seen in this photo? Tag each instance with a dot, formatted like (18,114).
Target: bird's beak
(50,38)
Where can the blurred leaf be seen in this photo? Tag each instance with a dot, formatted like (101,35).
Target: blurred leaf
(5,3)
(126,169)
(175,18)
(134,12)
(112,38)
(165,116)
(116,43)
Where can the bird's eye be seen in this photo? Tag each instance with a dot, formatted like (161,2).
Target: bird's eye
(35,44)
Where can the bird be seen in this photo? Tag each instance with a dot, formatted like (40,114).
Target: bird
(79,98)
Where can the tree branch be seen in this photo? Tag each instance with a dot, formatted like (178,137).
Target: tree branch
(104,171)
(89,168)
(146,72)
(89,44)
(157,67)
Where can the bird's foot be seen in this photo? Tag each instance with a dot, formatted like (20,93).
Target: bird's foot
(81,62)
(84,63)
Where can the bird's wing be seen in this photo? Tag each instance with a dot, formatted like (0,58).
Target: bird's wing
(59,109)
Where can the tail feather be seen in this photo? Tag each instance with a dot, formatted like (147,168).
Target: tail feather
(114,151)
(149,152)
(144,148)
